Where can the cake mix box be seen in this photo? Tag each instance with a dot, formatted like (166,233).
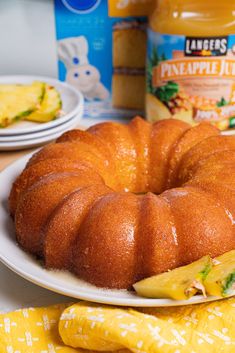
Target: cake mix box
(101,52)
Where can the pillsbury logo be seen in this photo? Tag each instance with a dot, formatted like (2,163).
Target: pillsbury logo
(81,6)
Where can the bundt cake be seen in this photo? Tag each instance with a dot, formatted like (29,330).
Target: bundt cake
(118,203)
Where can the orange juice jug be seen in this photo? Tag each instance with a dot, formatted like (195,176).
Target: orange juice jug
(191,62)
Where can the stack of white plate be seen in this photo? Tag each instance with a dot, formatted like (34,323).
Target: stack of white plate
(28,134)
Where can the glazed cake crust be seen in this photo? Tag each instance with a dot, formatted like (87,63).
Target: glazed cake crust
(118,203)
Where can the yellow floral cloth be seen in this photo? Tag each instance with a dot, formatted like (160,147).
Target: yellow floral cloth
(205,328)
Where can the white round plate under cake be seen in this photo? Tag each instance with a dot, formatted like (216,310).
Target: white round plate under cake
(19,135)
(60,281)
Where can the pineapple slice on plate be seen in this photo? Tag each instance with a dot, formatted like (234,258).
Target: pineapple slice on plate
(50,106)
(180,283)
(10,88)
(221,279)
(18,101)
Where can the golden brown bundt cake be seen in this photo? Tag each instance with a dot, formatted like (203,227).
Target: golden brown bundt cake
(40,200)
(120,142)
(164,135)
(78,151)
(113,218)
(118,203)
(33,173)
(201,152)
(66,219)
(189,139)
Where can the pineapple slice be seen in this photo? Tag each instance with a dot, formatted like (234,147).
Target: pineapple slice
(50,107)
(10,88)
(180,283)
(221,279)
(186,116)
(155,109)
(17,101)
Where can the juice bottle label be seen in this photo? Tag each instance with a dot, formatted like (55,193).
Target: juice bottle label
(191,78)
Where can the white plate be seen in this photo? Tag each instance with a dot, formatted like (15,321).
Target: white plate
(59,281)
(72,101)
(36,142)
(39,134)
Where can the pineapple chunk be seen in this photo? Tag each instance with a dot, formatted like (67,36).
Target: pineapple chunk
(180,283)
(17,101)
(50,107)
(221,279)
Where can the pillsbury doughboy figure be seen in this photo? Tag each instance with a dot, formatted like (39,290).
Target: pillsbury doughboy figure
(73,52)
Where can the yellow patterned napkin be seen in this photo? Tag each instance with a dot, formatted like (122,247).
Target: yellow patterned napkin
(205,328)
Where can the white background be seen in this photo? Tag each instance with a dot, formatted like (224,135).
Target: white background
(27,37)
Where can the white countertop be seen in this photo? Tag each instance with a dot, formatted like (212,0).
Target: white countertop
(16,292)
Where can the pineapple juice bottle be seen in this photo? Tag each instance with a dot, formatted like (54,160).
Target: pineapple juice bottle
(191,62)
